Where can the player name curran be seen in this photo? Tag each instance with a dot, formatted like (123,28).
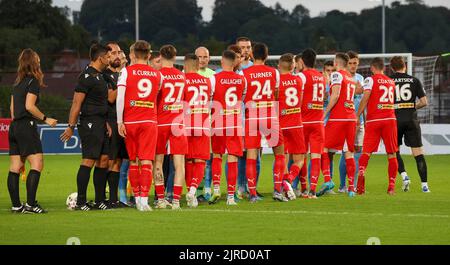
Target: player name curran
(144,73)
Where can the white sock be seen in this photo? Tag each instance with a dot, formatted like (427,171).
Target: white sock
(208,190)
(217,189)
(144,200)
(424,184)
(230,197)
(404,175)
(174,201)
(138,200)
(192,190)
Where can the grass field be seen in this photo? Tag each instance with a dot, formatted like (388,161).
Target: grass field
(407,218)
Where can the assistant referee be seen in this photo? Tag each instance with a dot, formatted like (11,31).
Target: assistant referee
(24,141)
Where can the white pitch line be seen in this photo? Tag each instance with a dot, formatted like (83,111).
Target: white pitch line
(296,212)
(318,213)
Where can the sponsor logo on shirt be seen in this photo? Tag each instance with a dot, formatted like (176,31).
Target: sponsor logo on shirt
(142,104)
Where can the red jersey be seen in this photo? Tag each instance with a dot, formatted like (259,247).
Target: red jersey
(170,98)
(381,101)
(229,89)
(141,83)
(313,93)
(344,109)
(290,101)
(198,97)
(262,82)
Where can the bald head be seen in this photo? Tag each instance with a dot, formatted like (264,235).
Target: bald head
(203,57)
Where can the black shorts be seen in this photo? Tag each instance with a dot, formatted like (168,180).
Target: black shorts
(411,131)
(117,148)
(24,138)
(94,137)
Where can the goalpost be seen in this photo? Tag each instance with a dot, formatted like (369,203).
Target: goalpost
(422,68)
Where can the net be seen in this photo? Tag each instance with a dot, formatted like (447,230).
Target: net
(421,67)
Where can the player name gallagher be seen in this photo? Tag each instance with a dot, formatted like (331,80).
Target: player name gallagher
(231,81)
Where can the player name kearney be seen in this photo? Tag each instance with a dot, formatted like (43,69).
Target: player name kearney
(144,73)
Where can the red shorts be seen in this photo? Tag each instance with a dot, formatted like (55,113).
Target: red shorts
(377,130)
(294,141)
(232,145)
(141,140)
(339,133)
(198,147)
(314,137)
(269,128)
(171,142)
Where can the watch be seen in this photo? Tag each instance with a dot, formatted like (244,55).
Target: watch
(71,126)
(45,118)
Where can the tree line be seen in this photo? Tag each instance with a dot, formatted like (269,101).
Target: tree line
(410,27)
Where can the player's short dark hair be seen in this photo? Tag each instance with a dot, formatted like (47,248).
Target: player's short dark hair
(298,57)
(168,52)
(309,57)
(397,63)
(229,55)
(235,48)
(287,60)
(141,49)
(242,39)
(343,57)
(260,51)
(98,50)
(190,57)
(328,63)
(352,55)
(154,55)
(378,63)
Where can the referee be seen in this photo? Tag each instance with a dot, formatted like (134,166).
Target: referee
(90,102)
(407,90)
(24,141)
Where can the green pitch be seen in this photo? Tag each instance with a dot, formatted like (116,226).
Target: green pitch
(407,218)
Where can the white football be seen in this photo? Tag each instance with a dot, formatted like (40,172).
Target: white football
(71,201)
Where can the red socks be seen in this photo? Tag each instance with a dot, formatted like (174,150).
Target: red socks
(198,173)
(350,165)
(176,192)
(133,176)
(315,171)
(216,168)
(303,174)
(392,170)
(278,170)
(188,174)
(232,177)
(363,161)
(160,190)
(326,167)
(251,175)
(145,179)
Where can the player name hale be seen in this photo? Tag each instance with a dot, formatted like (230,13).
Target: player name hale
(196,82)
(289,83)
